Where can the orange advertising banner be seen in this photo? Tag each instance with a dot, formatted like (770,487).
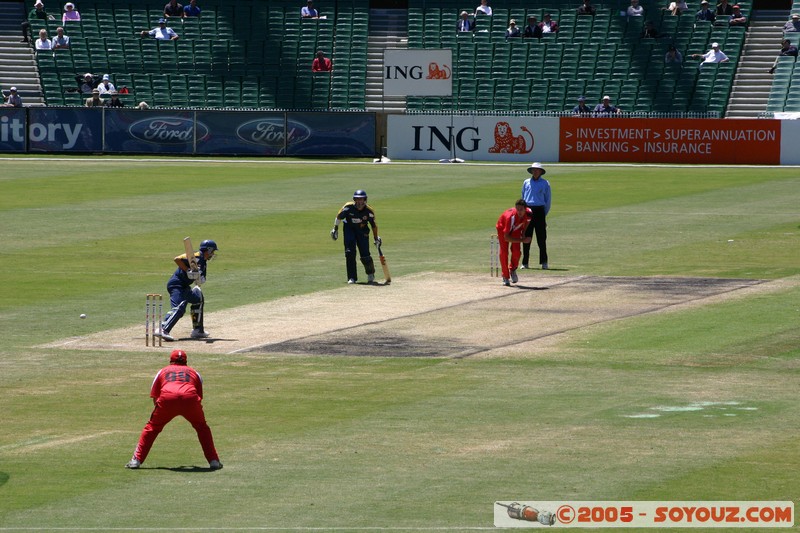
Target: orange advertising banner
(647,140)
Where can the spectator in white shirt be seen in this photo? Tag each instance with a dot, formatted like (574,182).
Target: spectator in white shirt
(105,85)
(162,33)
(43,43)
(483,9)
(715,55)
(635,10)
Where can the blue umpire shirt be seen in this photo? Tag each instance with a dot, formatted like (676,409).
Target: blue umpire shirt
(537,193)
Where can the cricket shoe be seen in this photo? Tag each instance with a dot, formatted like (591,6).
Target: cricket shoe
(215,465)
(199,334)
(351,281)
(164,335)
(506,282)
(524,266)
(134,463)
(371,278)
(514,277)
(544,266)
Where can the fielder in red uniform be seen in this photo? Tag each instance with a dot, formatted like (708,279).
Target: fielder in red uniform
(511,231)
(177,390)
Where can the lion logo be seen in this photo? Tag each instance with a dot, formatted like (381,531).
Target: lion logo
(505,142)
(436,73)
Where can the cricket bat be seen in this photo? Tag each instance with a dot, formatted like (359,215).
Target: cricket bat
(387,276)
(187,245)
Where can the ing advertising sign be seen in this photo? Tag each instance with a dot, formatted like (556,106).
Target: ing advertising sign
(481,138)
(418,72)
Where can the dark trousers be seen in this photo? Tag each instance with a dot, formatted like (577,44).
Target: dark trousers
(355,240)
(538,224)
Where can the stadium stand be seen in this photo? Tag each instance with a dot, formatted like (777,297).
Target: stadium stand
(258,55)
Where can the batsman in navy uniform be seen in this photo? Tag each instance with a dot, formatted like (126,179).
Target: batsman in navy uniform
(181,292)
(357,218)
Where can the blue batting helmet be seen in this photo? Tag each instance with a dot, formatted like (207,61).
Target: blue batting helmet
(208,244)
(360,193)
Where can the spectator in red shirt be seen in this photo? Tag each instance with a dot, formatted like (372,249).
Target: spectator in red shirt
(177,390)
(321,63)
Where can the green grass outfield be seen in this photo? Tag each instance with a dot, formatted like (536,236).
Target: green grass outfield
(370,444)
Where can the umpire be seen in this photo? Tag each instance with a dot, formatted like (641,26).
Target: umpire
(536,193)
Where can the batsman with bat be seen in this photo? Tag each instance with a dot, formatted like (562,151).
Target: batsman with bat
(192,268)
(357,218)
(511,228)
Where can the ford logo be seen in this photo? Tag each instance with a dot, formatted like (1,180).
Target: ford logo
(270,132)
(167,130)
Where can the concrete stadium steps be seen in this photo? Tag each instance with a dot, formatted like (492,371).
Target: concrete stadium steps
(752,83)
(17,61)
(388,28)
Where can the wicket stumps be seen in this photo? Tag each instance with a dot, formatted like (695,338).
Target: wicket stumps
(494,258)
(153,307)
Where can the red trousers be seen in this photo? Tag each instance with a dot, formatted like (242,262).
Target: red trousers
(507,265)
(190,408)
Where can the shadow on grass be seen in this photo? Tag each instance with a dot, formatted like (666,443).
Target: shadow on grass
(182,469)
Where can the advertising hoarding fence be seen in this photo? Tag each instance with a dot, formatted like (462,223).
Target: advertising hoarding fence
(187,132)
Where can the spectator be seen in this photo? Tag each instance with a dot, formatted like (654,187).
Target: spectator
(115,101)
(715,55)
(605,108)
(649,31)
(532,30)
(705,14)
(581,108)
(173,9)
(787,49)
(635,10)
(464,23)
(105,85)
(88,84)
(724,9)
(12,99)
(43,43)
(483,9)
(587,8)
(70,13)
(142,106)
(95,100)
(676,7)
(309,12)
(512,32)
(738,18)
(162,33)
(192,10)
(792,25)
(37,13)
(673,55)
(321,63)
(548,25)
(60,41)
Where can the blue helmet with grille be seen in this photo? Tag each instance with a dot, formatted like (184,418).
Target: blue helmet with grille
(208,244)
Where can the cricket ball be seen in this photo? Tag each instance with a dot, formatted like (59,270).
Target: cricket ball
(83,315)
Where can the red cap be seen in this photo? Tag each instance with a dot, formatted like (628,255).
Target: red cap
(177,357)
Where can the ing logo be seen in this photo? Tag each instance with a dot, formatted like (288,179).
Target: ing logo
(505,142)
(437,73)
